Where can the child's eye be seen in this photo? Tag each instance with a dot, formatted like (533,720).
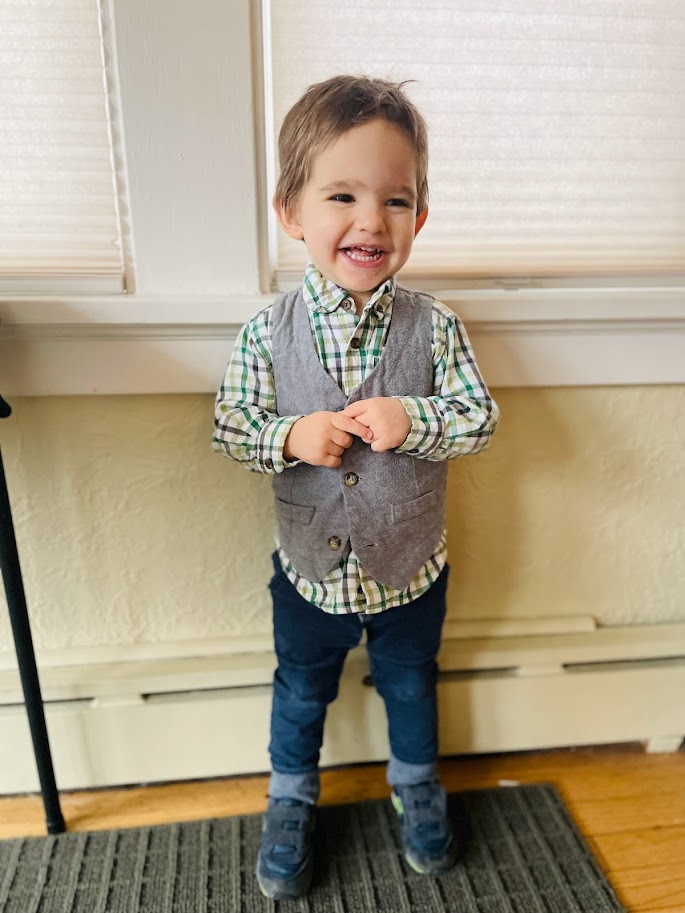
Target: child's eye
(398,201)
(342,198)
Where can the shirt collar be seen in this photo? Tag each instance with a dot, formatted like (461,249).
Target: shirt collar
(322,295)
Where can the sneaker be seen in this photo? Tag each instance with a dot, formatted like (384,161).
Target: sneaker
(285,861)
(427,838)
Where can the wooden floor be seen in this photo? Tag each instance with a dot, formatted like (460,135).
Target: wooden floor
(630,806)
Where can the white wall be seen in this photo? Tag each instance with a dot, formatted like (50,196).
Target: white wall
(132,531)
(186,95)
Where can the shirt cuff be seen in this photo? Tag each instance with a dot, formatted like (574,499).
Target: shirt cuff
(271,442)
(426,426)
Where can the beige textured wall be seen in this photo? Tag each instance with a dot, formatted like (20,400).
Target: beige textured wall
(132,531)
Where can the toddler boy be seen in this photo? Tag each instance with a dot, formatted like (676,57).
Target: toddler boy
(352,393)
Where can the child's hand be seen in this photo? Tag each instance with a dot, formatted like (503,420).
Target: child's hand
(321,438)
(385,417)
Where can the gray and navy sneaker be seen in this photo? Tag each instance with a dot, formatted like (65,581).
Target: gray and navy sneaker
(427,837)
(285,861)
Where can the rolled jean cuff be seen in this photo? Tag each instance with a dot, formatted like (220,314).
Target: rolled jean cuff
(304,787)
(400,773)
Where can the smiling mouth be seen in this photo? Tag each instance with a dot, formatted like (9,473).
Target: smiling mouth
(364,254)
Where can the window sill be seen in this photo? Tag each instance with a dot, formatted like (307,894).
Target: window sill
(164,344)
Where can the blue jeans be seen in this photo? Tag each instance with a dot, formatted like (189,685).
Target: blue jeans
(311,647)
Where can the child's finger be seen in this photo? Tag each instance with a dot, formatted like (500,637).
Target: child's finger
(359,412)
(355,409)
(343,438)
(344,422)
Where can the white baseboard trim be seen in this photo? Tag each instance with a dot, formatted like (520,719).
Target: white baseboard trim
(205,716)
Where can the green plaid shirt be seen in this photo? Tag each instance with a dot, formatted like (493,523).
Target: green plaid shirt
(459,418)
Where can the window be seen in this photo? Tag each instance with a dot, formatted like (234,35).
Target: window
(557,128)
(60,219)
(187,85)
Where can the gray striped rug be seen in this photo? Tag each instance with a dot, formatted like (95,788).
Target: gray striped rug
(522,854)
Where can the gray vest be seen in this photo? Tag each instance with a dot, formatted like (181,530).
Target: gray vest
(388,507)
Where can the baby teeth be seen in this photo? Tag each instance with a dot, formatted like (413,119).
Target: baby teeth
(357,255)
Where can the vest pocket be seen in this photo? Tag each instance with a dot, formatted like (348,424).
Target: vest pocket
(300,513)
(407,510)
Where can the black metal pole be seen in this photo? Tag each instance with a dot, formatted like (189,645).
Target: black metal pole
(26,658)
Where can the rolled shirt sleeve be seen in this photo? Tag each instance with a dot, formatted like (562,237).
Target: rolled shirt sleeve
(246,426)
(461,416)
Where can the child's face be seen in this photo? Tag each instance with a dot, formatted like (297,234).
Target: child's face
(357,213)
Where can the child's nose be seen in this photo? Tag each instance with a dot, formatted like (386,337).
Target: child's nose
(372,219)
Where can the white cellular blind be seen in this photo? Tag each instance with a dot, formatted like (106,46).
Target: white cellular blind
(59,219)
(557,127)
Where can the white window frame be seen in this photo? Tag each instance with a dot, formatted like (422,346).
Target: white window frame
(198,195)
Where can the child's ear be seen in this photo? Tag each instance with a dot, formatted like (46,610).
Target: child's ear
(420,221)
(288,219)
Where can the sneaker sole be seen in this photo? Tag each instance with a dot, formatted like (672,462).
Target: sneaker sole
(443,866)
(292,889)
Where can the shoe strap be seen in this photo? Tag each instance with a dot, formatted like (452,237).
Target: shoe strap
(288,825)
(424,804)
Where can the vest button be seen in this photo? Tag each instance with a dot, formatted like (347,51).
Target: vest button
(347,305)
(351,478)
(355,343)
(334,543)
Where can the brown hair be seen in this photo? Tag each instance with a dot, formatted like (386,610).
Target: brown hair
(330,108)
